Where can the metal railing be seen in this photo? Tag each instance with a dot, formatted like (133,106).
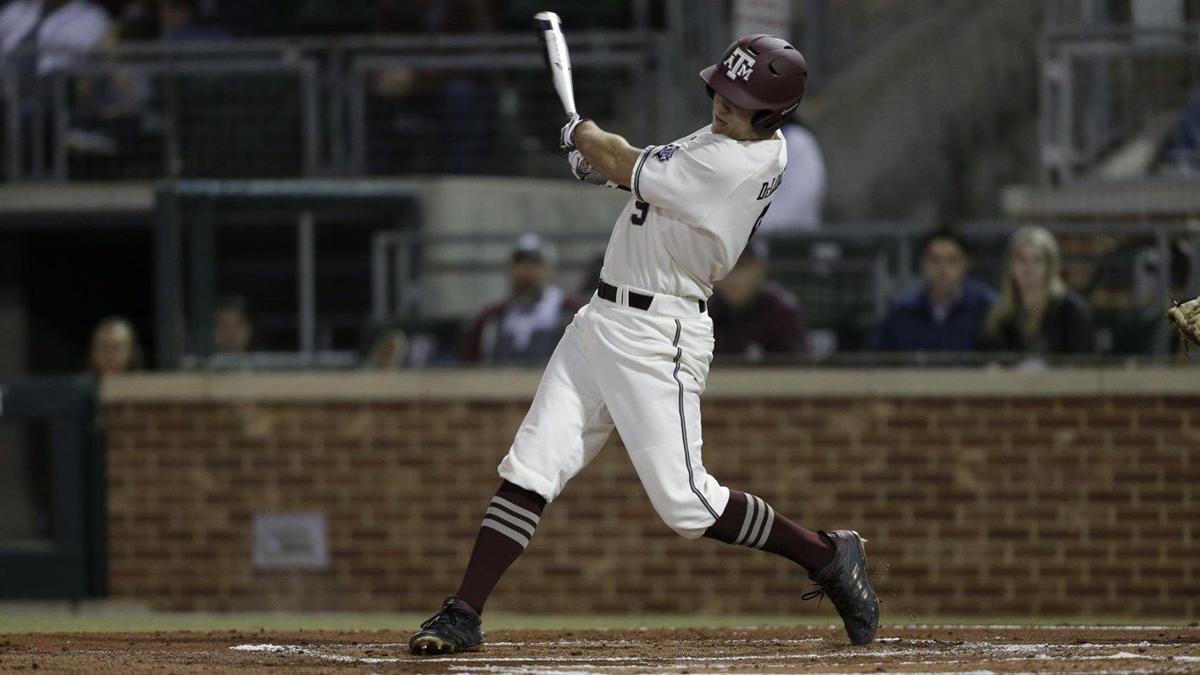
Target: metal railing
(188,216)
(1100,85)
(1142,266)
(402,262)
(844,275)
(836,34)
(319,107)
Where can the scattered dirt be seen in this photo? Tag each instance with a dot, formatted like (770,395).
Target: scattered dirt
(776,650)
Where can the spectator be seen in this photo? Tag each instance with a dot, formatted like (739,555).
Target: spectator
(1037,313)
(525,327)
(442,110)
(115,348)
(233,329)
(946,312)
(800,198)
(591,276)
(388,351)
(250,18)
(61,30)
(135,20)
(42,37)
(435,16)
(753,317)
(1183,152)
(180,22)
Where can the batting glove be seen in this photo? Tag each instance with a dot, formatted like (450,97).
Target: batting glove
(565,140)
(582,170)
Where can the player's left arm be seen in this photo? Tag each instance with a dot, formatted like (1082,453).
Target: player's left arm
(608,153)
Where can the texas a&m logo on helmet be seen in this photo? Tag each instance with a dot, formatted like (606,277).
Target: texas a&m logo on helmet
(739,64)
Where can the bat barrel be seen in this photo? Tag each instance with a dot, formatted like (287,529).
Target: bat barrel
(546,21)
(557,58)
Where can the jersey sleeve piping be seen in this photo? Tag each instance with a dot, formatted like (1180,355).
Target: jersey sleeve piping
(637,171)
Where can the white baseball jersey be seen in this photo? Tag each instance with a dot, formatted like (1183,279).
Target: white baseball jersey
(695,203)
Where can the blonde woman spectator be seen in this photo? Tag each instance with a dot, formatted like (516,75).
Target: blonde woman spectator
(115,348)
(1036,312)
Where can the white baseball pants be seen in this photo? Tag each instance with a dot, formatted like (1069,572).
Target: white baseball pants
(642,372)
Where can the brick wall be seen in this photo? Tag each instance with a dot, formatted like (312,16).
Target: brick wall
(1003,505)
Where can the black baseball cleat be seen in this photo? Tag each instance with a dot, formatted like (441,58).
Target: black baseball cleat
(454,629)
(844,580)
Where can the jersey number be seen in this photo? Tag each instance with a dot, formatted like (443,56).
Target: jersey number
(638,217)
(759,221)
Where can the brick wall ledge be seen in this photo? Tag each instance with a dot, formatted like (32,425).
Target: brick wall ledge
(510,385)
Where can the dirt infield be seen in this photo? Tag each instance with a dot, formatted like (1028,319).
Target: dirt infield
(819,649)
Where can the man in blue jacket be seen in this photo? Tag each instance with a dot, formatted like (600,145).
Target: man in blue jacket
(943,314)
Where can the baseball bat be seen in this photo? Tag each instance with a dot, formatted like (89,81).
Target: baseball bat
(558,59)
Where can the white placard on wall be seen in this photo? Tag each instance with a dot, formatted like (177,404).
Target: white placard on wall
(291,541)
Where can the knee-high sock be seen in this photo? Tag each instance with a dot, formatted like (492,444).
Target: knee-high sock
(750,521)
(508,525)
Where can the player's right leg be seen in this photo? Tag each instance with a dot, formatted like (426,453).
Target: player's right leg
(657,371)
(565,428)
(835,560)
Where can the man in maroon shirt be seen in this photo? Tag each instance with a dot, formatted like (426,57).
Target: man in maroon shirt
(524,328)
(754,318)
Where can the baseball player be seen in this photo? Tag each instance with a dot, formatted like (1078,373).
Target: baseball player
(636,357)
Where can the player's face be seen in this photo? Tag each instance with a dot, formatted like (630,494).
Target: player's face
(945,267)
(1029,269)
(731,120)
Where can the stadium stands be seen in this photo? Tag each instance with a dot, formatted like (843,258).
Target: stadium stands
(434,101)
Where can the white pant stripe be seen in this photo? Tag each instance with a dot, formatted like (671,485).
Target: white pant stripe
(687,448)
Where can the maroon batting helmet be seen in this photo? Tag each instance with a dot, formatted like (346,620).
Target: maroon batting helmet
(760,73)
